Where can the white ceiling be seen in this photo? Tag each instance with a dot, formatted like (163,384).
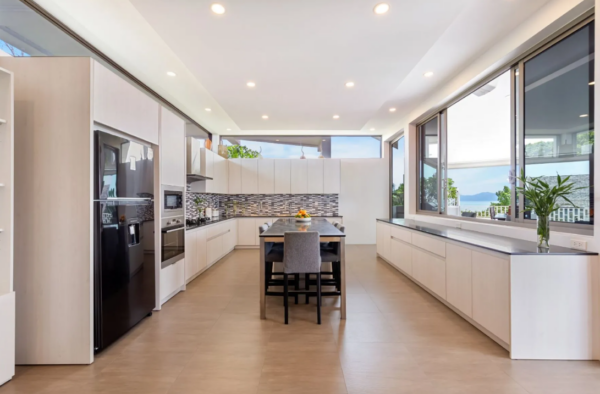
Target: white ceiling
(299,53)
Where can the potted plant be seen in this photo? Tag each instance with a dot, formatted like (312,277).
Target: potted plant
(543,199)
(199,201)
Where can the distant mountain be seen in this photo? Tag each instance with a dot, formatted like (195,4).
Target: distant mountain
(480,197)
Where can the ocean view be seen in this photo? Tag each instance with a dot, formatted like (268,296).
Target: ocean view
(475,205)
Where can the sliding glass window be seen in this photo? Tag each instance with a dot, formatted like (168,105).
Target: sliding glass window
(537,116)
(397,152)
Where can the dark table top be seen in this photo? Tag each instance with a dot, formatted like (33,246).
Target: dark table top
(224,218)
(280,226)
(511,246)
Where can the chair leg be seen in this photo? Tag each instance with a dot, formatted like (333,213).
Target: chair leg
(307,285)
(296,287)
(318,298)
(285,296)
(268,274)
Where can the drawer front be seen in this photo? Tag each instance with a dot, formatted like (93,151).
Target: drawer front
(401,256)
(429,244)
(401,234)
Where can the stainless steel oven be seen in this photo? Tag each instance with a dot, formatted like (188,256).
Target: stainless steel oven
(172,244)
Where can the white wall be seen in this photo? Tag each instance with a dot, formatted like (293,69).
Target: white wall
(364,197)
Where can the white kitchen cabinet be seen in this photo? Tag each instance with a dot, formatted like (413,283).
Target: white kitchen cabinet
(191,255)
(379,236)
(491,293)
(220,183)
(201,250)
(172,280)
(315,176)
(247,230)
(386,241)
(235,176)
(282,170)
(430,270)
(249,176)
(214,249)
(122,106)
(430,244)
(230,238)
(332,176)
(459,279)
(207,158)
(266,176)
(299,176)
(172,149)
(401,255)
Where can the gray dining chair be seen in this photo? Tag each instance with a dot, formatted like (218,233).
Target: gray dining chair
(301,255)
(337,224)
(274,256)
(330,267)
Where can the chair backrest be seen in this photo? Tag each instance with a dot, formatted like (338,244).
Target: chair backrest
(301,252)
(342,229)
(337,224)
(267,224)
(262,229)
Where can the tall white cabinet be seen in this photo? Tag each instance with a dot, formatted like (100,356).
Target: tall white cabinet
(7,294)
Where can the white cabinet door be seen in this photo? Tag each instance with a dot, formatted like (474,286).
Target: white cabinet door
(458,278)
(436,275)
(491,293)
(299,176)
(230,239)
(379,229)
(386,241)
(332,176)
(419,265)
(214,250)
(201,249)
(122,106)
(220,181)
(172,148)
(266,176)
(207,162)
(235,176)
(250,176)
(191,255)
(315,176)
(401,255)
(247,230)
(283,184)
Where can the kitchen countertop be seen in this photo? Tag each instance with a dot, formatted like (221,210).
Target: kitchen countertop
(496,243)
(225,218)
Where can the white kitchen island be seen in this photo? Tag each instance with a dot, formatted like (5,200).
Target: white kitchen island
(537,305)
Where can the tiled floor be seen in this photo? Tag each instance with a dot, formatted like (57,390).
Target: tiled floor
(397,339)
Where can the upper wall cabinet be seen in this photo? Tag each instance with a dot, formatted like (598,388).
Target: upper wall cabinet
(299,176)
(266,176)
(332,175)
(120,105)
(282,173)
(250,176)
(314,176)
(235,176)
(172,148)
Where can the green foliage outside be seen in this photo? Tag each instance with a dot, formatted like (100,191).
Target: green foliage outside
(398,195)
(503,197)
(241,152)
(540,149)
(584,139)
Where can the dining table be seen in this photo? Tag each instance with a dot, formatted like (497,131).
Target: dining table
(328,233)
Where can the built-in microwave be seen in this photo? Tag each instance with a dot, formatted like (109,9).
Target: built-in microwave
(172,200)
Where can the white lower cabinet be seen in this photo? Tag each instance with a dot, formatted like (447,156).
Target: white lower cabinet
(459,290)
(491,281)
(401,255)
(214,250)
(191,255)
(200,239)
(247,230)
(430,271)
(172,280)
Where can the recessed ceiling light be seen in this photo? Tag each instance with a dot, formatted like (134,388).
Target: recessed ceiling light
(207,109)
(251,84)
(265,116)
(371,129)
(381,8)
(583,116)
(336,116)
(217,8)
(349,84)
(171,74)
(517,73)
(428,74)
(323,140)
(592,83)
(277,140)
(392,109)
(228,129)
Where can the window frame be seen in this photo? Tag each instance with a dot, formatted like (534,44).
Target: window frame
(391,173)
(517,136)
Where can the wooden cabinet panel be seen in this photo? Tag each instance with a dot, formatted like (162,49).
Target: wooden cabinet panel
(299,176)
(249,176)
(266,176)
(172,148)
(458,278)
(247,230)
(191,255)
(401,255)
(429,244)
(282,170)
(235,176)
(491,293)
(122,106)
(315,176)
(332,176)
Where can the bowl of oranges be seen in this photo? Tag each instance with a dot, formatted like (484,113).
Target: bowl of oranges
(302,216)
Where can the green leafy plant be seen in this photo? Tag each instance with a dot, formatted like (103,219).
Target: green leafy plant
(543,199)
(241,152)
(199,201)
(503,197)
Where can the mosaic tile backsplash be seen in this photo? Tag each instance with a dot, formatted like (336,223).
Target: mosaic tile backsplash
(272,204)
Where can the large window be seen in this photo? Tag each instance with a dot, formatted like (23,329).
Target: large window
(537,116)
(397,153)
(312,147)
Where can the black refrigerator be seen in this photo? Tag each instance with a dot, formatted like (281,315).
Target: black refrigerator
(124,264)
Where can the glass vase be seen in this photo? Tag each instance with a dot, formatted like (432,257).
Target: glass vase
(543,231)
